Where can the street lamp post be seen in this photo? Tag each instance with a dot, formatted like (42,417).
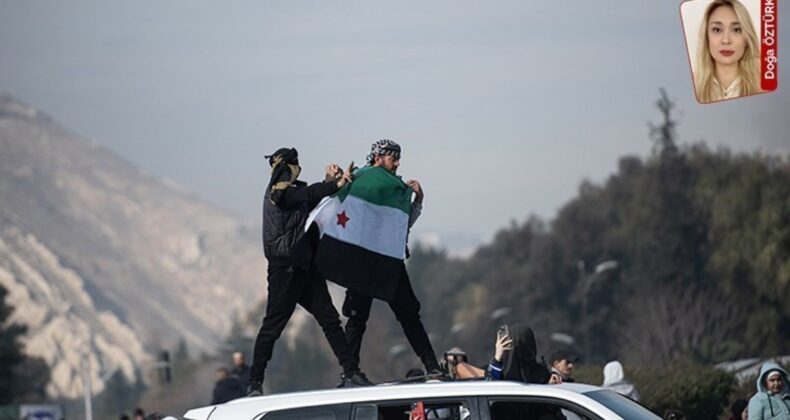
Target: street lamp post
(587,282)
(500,313)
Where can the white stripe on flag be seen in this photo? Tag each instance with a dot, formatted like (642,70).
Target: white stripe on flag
(380,229)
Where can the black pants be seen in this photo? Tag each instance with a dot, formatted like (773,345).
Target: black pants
(407,311)
(287,287)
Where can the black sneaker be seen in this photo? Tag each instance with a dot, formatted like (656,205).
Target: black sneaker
(255,389)
(354,379)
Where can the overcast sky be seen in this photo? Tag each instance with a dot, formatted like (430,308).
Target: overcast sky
(502,109)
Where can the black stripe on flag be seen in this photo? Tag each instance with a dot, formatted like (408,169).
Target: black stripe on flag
(358,269)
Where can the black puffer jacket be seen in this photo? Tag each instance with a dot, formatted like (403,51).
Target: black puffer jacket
(226,390)
(283,223)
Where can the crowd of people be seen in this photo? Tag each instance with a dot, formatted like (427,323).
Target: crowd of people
(231,383)
(516,358)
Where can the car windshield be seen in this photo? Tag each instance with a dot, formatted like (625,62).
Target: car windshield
(621,405)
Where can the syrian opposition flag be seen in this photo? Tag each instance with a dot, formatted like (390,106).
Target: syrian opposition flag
(363,232)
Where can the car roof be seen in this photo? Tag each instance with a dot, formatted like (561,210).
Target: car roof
(250,407)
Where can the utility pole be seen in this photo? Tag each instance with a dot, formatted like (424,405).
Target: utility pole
(86,382)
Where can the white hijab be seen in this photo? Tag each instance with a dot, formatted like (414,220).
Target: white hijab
(614,379)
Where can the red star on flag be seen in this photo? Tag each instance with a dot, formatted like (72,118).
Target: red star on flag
(342,219)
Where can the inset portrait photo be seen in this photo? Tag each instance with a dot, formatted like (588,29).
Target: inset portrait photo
(732,47)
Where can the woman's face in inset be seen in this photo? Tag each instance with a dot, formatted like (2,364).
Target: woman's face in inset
(726,40)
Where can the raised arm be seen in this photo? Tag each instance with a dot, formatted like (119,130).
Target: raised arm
(416,205)
(312,194)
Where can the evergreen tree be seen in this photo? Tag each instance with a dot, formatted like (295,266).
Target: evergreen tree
(702,242)
(20,376)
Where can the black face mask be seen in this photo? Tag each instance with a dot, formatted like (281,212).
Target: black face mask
(284,154)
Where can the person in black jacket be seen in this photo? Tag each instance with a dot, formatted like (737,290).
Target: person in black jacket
(226,388)
(240,369)
(292,276)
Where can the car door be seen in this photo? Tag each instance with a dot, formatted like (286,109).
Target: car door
(321,412)
(533,408)
(461,408)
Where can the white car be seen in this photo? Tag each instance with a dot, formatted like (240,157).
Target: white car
(467,400)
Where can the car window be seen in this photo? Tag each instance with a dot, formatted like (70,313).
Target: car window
(572,415)
(624,407)
(324,412)
(535,409)
(414,410)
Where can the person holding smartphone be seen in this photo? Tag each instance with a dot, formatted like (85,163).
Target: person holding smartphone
(515,356)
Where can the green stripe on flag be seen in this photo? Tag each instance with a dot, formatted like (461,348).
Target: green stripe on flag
(378,186)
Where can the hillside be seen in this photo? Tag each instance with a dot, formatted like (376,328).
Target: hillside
(99,255)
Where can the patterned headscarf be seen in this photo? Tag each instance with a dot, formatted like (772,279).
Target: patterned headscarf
(384,147)
(285,170)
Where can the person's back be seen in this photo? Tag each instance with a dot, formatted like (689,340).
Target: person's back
(772,400)
(226,388)
(614,379)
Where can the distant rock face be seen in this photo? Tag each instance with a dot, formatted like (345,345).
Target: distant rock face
(98,255)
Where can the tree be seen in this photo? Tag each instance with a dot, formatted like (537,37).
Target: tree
(703,249)
(21,376)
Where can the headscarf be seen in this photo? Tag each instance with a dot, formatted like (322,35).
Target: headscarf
(521,362)
(383,147)
(285,170)
(614,379)
(613,373)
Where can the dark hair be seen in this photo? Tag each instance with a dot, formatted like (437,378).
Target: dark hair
(673,414)
(737,407)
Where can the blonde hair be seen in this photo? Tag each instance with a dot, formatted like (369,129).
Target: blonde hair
(748,65)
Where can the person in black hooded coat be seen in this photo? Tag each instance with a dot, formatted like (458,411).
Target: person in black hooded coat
(515,359)
(227,387)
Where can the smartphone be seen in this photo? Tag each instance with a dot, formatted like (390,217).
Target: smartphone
(502,331)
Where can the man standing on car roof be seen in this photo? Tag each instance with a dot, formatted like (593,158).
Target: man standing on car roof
(292,276)
(386,153)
